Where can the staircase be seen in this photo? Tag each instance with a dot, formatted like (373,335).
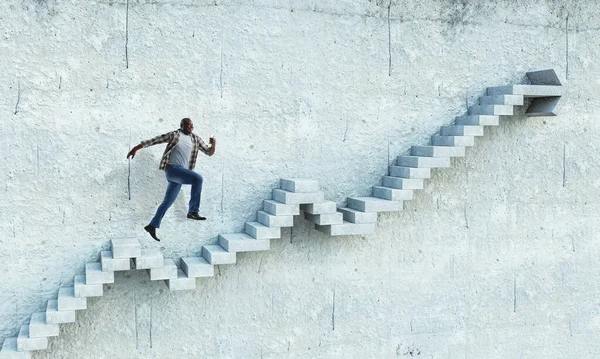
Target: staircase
(295,196)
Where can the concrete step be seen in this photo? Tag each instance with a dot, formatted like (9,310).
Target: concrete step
(26,343)
(260,231)
(95,275)
(325,218)
(280,209)
(410,172)
(437,151)
(150,258)
(346,229)
(242,242)
(319,208)
(461,141)
(299,185)
(39,328)
(67,301)
(403,183)
(196,267)
(424,162)
(10,350)
(498,110)
(515,100)
(461,130)
(83,290)
(270,220)
(215,254)
(182,282)
(358,217)
(373,204)
(392,194)
(54,316)
(527,90)
(478,120)
(111,264)
(167,271)
(287,197)
(126,248)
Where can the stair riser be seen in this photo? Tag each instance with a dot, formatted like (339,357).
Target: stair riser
(319,208)
(246,245)
(280,209)
(392,194)
(110,264)
(347,230)
(149,262)
(515,100)
(126,248)
(409,172)
(92,290)
(300,186)
(218,258)
(402,183)
(460,130)
(424,162)
(263,232)
(168,271)
(363,206)
(297,198)
(275,221)
(359,217)
(438,151)
(44,331)
(458,141)
(496,110)
(193,270)
(478,120)
(324,219)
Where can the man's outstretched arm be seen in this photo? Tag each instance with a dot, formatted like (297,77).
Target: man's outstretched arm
(153,141)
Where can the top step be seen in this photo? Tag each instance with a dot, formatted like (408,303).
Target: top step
(299,185)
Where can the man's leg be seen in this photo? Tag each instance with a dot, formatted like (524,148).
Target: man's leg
(170,196)
(184,176)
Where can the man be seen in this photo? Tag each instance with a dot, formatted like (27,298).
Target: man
(178,162)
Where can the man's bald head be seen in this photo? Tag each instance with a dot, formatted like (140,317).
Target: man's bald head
(186,125)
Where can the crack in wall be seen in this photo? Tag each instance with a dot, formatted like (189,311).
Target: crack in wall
(389,39)
(18,98)
(127,35)
(515,294)
(333,311)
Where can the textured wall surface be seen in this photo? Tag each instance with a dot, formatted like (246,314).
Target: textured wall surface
(497,258)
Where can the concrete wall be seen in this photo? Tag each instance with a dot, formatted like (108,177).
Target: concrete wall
(497,258)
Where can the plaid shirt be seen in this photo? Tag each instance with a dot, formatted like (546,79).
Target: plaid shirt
(173,138)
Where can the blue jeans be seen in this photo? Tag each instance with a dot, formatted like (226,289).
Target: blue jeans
(176,176)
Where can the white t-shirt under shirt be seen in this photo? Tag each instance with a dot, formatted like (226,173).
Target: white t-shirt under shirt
(181,153)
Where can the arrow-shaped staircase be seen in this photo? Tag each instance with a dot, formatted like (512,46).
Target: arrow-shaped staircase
(294,196)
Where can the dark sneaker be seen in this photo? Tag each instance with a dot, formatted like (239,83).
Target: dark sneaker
(152,230)
(196,216)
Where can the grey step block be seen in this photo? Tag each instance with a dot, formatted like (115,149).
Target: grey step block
(167,271)
(10,350)
(354,216)
(81,289)
(319,208)
(437,151)
(126,248)
(478,120)
(461,130)
(424,162)
(39,328)
(215,254)
(287,197)
(498,110)
(374,204)
(26,343)
(346,229)
(515,100)
(111,264)
(95,275)
(242,242)
(67,301)
(392,194)
(325,218)
(526,90)
(196,267)
(270,220)
(280,209)
(54,316)
(182,282)
(260,231)
(150,258)
(461,141)
(402,183)
(410,172)
(299,185)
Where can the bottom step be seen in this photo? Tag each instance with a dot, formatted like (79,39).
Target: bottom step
(9,350)
(346,229)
